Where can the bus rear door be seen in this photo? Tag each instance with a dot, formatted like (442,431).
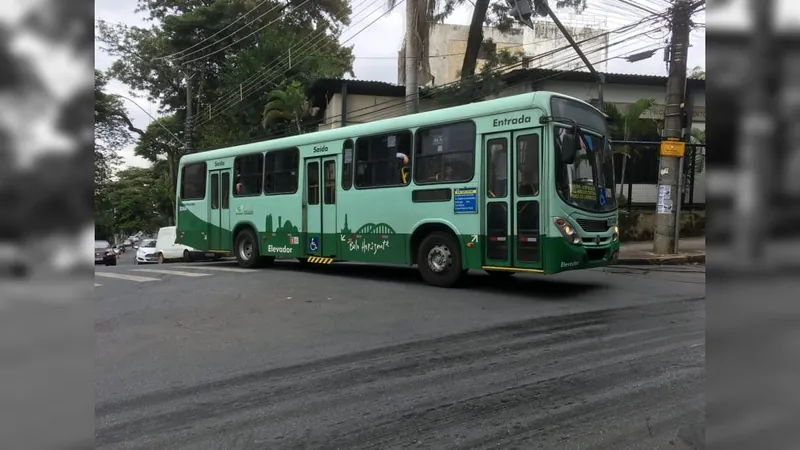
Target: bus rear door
(219,212)
(512,202)
(319,217)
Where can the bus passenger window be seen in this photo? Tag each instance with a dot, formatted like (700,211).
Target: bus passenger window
(215,191)
(528,165)
(445,154)
(380,159)
(347,165)
(280,171)
(248,174)
(193,182)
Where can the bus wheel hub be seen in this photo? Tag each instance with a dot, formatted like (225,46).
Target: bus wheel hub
(246,250)
(439,258)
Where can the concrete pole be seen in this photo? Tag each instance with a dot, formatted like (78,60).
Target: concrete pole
(667,218)
(412,64)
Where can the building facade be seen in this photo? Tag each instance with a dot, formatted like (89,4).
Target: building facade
(540,47)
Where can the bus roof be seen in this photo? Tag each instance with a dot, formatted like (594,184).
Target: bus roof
(445,115)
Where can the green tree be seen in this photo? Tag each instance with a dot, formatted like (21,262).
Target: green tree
(135,198)
(111,134)
(230,78)
(160,146)
(629,125)
(289,107)
(697,73)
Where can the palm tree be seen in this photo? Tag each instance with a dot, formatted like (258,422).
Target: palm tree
(290,107)
(628,125)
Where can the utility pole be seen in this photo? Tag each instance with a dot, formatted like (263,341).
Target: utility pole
(412,65)
(673,147)
(189,125)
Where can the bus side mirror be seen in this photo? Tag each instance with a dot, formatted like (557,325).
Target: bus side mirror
(569,147)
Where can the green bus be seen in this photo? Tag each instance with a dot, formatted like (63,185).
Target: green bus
(516,184)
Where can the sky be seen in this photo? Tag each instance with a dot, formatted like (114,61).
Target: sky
(376,46)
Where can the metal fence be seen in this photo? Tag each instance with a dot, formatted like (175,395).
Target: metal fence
(638,188)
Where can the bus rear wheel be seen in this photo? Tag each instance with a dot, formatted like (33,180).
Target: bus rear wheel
(439,260)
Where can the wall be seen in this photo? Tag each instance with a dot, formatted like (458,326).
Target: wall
(545,37)
(365,108)
(448,44)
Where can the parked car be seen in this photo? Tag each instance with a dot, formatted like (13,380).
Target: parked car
(167,249)
(103,253)
(146,253)
(12,259)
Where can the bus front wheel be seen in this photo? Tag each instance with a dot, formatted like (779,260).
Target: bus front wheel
(439,260)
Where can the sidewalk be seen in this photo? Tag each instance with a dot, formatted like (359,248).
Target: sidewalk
(691,250)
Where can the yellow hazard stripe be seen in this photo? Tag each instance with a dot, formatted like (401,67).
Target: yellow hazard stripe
(320,260)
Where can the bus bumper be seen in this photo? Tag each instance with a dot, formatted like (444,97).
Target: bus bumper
(562,256)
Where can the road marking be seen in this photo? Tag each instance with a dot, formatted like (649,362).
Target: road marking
(97,285)
(221,269)
(173,272)
(122,276)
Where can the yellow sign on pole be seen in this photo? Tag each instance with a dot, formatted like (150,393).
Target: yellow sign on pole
(673,148)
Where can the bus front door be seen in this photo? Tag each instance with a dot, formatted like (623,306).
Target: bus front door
(219,211)
(511,221)
(320,207)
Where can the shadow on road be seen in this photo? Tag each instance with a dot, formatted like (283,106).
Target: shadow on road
(541,286)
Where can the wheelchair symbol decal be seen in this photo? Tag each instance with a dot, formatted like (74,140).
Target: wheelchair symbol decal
(313,245)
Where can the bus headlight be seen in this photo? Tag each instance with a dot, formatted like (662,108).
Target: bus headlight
(615,237)
(567,231)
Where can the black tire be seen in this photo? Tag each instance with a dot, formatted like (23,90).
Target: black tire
(112,263)
(161,259)
(187,257)
(446,247)
(19,271)
(500,273)
(249,259)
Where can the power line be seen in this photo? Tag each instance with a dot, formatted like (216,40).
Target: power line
(218,33)
(256,85)
(445,86)
(249,35)
(225,104)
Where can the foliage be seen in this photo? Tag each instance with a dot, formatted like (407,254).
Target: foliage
(111,135)
(500,13)
(228,68)
(136,198)
(289,107)
(629,125)
(697,73)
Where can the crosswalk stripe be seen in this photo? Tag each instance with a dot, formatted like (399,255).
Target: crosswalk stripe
(122,276)
(174,272)
(220,269)
(97,285)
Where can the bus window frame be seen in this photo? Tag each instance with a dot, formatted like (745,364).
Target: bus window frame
(297,170)
(352,164)
(475,167)
(204,171)
(233,178)
(387,133)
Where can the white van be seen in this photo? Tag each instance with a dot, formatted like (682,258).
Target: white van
(167,249)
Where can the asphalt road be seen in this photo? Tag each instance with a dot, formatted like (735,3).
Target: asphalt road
(208,355)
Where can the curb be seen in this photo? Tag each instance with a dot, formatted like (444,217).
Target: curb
(661,260)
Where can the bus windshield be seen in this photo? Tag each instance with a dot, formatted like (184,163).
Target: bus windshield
(588,183)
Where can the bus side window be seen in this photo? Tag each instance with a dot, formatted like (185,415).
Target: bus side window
(193,182)
(380,159)
(280,171)
(347,165)
(445,154)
